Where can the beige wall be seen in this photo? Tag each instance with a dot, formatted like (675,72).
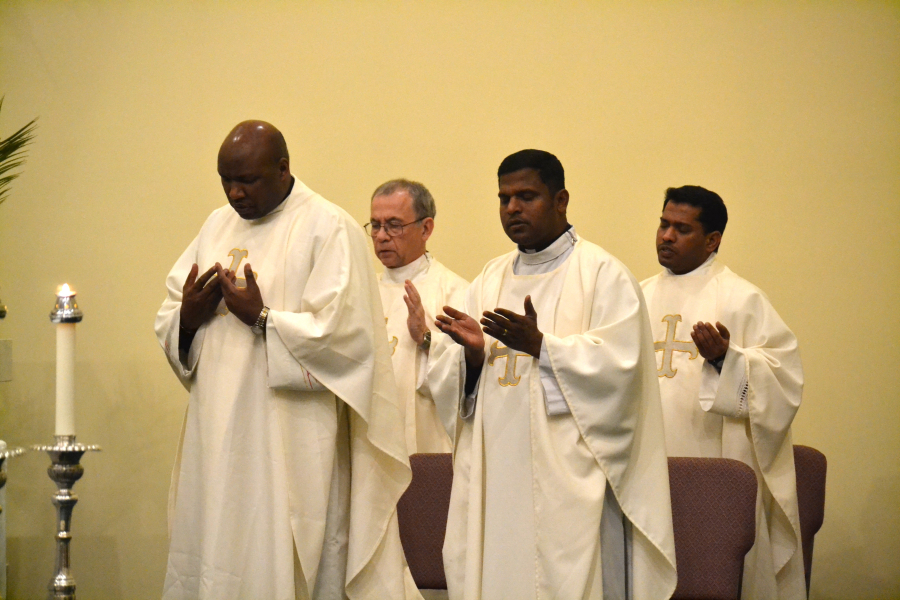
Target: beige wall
(791,111)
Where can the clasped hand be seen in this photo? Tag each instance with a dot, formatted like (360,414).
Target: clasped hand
(244,302)
(199,297)
(202,295)
(519,332)
(712,342)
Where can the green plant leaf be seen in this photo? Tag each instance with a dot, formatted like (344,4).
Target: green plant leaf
(13,153)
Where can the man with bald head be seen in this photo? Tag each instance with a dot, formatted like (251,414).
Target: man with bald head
(274,324)
(414,287)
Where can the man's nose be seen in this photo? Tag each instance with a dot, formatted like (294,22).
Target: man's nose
(235,192)
(381,235)
(513,206)
(668,234)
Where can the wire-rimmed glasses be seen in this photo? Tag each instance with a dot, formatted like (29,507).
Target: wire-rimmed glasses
(391,228)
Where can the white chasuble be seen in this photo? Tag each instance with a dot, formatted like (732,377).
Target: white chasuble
(529,489)
(438,286)
(261,504)
(744,413)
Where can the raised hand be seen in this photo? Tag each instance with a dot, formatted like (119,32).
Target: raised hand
(199,297)
(415,322)
(464,330)
(712,342)
(244,302)
(519,332)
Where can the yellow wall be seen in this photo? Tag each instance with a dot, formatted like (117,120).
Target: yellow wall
(791,111)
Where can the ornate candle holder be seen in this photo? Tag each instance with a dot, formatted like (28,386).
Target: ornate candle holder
(66,308)
(64,470)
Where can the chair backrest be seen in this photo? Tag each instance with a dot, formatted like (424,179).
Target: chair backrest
(422,512)
(714,517)
(810,465)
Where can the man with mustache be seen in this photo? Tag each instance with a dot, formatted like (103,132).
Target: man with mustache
(560,482)
(730,378)
(292,456)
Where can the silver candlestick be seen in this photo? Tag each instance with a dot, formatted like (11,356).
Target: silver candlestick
(64,470)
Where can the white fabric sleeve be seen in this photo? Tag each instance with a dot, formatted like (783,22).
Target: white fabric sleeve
(554,401)
(726,393)
(467,402)
(422,370)
(189,360)
(283,372)
(168,320)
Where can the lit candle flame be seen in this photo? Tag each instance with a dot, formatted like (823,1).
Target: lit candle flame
(64,291)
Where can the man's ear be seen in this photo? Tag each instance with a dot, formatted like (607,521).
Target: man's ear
(427,228)
(712,241)
(561,199)
(284,167)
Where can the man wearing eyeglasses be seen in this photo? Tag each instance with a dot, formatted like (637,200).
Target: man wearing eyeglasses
(729,390)
(414,287)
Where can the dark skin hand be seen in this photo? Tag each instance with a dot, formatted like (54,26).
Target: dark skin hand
(199,300)
(519,332)
(515,331)
(465,331)
(245,303)
(712,342)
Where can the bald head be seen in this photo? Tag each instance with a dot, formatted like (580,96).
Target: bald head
(256,135)
(254,167)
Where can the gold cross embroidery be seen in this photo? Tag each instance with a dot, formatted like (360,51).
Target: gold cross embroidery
(393,341)
(670,346)
(509,375)
(237,257)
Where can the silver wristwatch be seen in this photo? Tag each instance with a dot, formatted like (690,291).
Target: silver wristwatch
(259,328)
(426,342)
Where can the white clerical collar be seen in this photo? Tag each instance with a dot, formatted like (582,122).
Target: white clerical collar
(560,246)
(411,271)
(701,270)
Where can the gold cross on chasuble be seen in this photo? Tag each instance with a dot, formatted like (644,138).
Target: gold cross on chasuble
(670,346)
(393,341)
(237,257)
(509,375)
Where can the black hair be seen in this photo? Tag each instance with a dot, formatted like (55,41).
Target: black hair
(713,214)
(549,169)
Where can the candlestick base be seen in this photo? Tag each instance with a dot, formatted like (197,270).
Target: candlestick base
(65,469)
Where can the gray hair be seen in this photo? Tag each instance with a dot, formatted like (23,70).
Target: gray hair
(423,202)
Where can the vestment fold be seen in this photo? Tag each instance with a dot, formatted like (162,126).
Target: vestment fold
(262,457)
(597,334)
(744,413)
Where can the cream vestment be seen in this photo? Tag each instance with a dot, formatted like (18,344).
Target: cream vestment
(545,501)
(438,286)
(743,413)
(261,504)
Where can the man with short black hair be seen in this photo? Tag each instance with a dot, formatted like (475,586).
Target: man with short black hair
(730,390)
(560,481)
(414,287)
(292,458)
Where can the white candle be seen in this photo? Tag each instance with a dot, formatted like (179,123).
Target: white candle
(65,373)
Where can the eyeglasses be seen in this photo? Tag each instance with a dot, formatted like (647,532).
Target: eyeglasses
(391,228)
